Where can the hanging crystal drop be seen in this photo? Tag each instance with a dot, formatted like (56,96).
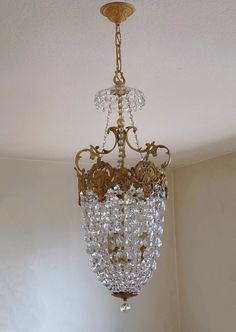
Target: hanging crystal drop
(125,307)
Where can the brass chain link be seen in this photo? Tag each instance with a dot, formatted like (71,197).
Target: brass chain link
(118,79)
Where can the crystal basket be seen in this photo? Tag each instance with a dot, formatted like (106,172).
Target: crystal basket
(123,210)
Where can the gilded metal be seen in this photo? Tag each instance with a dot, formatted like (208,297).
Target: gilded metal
(151,148)
(95,151)
(118,78)
(103,176)
(117,12)
(123,295)
(113,247)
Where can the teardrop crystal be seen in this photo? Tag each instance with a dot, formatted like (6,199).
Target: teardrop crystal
(125,307)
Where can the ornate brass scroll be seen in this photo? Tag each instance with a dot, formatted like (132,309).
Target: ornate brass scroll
(102,176)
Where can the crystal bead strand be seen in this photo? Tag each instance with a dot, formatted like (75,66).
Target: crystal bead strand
(121,134)
(106,127)
(135,133)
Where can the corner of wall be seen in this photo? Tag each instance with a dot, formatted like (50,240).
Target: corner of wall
(172,178)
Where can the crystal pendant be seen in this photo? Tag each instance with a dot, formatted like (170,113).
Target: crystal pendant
(125,307)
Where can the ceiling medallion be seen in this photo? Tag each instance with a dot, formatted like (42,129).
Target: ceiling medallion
(123,208)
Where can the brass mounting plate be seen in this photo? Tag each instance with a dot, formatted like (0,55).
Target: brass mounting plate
(117,12)
(123,295)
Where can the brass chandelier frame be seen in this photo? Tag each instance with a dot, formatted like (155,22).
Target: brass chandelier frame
(102,176)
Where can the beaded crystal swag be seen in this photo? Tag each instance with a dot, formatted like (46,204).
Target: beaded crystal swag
(123,208)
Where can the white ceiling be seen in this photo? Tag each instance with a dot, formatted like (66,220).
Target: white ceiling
(56,54)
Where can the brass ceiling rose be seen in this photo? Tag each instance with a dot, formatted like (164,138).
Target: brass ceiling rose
(117,12)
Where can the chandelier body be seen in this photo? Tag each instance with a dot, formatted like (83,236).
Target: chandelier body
(123,208)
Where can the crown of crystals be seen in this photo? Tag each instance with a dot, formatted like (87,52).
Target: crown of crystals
(123,208)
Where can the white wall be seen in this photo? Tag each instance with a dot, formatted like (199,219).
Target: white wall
(45,281)
(205,215)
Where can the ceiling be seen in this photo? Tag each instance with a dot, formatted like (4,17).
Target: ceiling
(56,54)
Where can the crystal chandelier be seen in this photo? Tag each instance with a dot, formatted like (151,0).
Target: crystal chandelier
(123,208)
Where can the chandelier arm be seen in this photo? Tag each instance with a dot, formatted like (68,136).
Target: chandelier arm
(95,152)
(93,155)
(138,149)
(166,163)
(114,130)
(151,149)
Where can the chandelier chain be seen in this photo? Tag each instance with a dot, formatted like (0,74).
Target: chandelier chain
(118,77)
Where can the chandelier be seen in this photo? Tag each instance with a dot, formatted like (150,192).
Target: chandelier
(123,208)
